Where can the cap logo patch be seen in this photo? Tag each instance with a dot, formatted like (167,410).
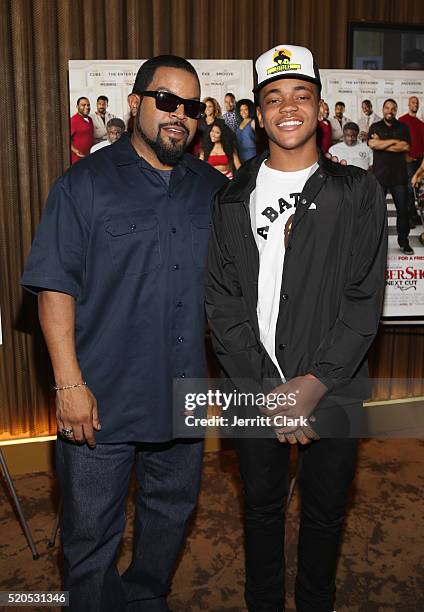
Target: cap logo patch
(282,59)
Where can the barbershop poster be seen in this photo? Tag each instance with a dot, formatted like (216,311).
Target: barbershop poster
(115,78)
(404,295)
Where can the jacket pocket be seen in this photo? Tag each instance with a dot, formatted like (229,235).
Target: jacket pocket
(200,228)
(134,242)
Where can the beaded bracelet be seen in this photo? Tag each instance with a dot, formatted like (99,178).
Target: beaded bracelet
(70,386)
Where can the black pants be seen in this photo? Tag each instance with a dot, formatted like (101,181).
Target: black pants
(327,471)
(400,199)
(411,168)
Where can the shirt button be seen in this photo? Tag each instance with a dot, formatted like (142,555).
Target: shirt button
(179,304)
(281,346)
(285,297)
(303,201)
(180,339)
(174,230)
(133,226)
(182,375)
(176,267)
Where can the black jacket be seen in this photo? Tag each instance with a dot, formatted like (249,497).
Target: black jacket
(332,287)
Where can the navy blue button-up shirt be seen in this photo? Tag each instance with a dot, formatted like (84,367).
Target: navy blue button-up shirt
(131,251)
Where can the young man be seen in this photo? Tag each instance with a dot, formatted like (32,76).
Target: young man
(390,141)
(294,291)
(230,115)
(338,122)
(415,154)
(81,131)
(100,119)
(118,263)
(365,122)
(355,153)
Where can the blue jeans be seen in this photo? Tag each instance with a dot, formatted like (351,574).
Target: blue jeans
(94,485)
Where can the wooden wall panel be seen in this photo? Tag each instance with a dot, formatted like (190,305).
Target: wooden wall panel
(37,38)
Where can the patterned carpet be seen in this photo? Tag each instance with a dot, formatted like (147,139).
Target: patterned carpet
(381,567)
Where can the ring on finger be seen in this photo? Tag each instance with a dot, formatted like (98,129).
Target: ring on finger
(67,432)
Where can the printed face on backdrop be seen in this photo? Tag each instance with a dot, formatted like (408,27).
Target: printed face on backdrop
(114,133)
(366,108)
(215,134)
(244,111)
(339,110)
(210,109)
(389,111)
(84,107)
(229,103)
(289,112)
(323,109)
(168,133)
(413,104)
(101,107)
(350,137)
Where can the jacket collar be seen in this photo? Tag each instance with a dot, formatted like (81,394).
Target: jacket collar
(245,180)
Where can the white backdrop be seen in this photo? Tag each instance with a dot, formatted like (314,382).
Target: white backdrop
(114,78)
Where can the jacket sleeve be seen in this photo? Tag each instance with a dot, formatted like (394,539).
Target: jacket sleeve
(233,338)
(344,348)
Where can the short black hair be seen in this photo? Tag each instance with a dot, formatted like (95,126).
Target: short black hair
(116,122)
(351,125)
(340,103)
(229,94)
(367,102)
(105,98)
(390,100)
(146,72)
(82,98)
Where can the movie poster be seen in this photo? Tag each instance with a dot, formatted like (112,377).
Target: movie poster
(115,78)
(404,295)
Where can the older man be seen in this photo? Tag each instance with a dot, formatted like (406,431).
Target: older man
(114,129)
(118,264)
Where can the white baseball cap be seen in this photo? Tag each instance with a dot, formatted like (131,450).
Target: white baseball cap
(286,62)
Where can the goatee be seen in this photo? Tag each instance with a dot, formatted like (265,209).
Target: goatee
(170,153)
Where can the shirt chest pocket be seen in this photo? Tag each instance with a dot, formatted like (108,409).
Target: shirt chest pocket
(134,242)
(200,227)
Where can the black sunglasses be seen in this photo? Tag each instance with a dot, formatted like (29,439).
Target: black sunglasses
(169,102)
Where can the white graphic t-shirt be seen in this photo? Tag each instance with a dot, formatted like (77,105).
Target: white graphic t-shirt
(272,208)
(359,154)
